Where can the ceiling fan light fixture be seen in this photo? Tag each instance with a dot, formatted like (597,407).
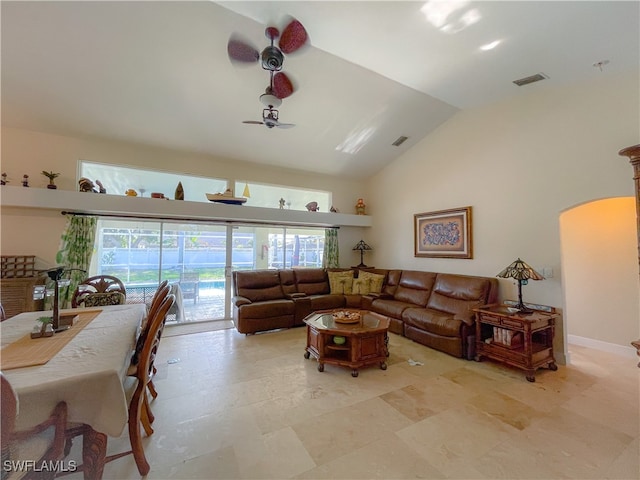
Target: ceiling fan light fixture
(268,99)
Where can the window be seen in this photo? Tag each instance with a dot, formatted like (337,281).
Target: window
(118,179)
(294,198)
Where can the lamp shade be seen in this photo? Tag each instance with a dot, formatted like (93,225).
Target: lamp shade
(362,245)
(519,270)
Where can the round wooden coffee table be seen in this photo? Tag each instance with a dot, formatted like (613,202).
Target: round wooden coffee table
(347,338)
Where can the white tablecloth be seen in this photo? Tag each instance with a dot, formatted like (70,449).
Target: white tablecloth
(88,373)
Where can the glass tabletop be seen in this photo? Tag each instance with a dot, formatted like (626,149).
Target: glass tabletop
(329,321)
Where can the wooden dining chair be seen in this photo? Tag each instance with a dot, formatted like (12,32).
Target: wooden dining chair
(158,297)
(144,373)
(99,290)
(41,444)
(137,404)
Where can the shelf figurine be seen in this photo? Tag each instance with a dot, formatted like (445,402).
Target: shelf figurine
(4,180)
(281,203)
(51,176)
(179,193)
(360,206)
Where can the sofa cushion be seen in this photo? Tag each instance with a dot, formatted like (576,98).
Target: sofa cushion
(432,321)
(341,282)
(415,287)
(104,299)
(374,280)
(388,307)
(360,286)
(259,285)
(326,302)
(312,281)
(458,295)
(288,281)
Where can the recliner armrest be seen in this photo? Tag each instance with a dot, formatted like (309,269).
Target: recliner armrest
(375,296)
(238,301)
(291,296)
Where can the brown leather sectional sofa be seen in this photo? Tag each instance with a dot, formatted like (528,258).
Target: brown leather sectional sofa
(434,309)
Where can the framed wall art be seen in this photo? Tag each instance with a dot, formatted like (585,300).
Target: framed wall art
(443,234)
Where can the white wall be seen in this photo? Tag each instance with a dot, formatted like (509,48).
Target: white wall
(28,232)
(519,164)
(600,271)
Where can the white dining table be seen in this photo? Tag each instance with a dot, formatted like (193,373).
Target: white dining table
(88,374)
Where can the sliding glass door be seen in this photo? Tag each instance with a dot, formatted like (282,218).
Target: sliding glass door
(197,258)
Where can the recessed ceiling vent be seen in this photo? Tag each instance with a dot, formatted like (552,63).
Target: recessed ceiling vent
(532,79)
(399,141)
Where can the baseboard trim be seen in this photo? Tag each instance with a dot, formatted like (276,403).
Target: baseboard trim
(628,352)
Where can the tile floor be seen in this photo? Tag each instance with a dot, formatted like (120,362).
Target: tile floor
(234,406)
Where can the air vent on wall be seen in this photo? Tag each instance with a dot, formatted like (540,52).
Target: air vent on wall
(399,141)
(527,80)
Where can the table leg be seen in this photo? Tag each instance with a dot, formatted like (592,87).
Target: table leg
(94,452)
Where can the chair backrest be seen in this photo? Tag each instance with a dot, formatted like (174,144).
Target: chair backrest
(152,340)
(34,444)
(9,411)
(162,291)
(97,285)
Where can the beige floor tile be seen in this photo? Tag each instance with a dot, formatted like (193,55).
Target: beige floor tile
(235,406)
(386,458)
(455,437)
(341,431)
(264,456)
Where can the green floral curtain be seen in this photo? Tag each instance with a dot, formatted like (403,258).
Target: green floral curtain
(76,248)
(330,257)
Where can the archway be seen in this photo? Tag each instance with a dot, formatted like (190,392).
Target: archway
(600,274)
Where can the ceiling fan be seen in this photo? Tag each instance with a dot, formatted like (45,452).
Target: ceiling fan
(270,119)
(294,36)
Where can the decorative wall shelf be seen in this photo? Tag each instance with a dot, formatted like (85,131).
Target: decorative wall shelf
(162,209)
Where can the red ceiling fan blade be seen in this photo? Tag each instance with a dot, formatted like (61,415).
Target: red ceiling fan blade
(282,85)
(293,37)
(241,51)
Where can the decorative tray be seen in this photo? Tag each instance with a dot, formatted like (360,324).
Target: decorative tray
(221,198)
(344,316)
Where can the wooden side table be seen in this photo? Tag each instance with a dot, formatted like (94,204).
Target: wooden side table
(522,340)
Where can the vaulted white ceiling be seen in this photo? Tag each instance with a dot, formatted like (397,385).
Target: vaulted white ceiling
(157,72)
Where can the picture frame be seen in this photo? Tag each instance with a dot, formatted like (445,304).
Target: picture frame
(443,234)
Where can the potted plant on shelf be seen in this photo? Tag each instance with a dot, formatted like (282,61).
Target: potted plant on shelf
(51,176)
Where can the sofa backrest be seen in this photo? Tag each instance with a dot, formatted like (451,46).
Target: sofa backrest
(415,287)
(458,294)
(288,281)
(257,285)
(312,281)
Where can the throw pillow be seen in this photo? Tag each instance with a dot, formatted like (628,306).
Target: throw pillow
(360,286)
(104,299)
(341,282)
(375,281)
